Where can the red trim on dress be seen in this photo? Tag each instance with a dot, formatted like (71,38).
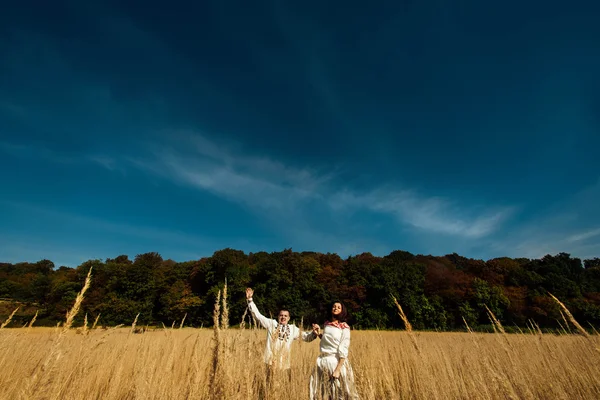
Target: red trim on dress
(341,325)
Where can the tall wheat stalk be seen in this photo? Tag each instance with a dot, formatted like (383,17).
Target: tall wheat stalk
(467,325)
(95,322)
(134,324)
(78,300)
(225,312)
(85,325)
(562,330)
(565,320)
(407,324)
(10,317)
(216,386)
(243,321)
(495,322)
(32,321)
(43,373)
(571,318)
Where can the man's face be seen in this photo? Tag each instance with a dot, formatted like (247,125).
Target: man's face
(284,317)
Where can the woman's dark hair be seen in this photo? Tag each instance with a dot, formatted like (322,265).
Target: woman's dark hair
(343,317)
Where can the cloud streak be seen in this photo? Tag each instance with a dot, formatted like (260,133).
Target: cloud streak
(270,187)
(584,235)
(433,214)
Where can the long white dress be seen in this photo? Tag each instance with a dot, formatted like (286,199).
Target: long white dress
(335,343)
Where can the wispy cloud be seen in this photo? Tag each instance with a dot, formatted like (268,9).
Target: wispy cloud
(257,182)
(268,185)
(433,214)
(293,199)
(107,162)
(584,235)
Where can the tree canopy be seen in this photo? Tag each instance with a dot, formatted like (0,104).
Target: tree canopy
(435,292)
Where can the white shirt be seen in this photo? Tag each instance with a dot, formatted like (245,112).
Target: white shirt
(279,338)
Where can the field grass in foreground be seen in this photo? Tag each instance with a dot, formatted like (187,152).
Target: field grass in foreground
(40,363)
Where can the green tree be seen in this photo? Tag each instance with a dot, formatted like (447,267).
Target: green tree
(491,296)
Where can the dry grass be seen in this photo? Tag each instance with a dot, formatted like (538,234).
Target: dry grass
(571,318)
(10,317)
(185,363)
(177,364)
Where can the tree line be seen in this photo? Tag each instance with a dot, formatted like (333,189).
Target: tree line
(436,292)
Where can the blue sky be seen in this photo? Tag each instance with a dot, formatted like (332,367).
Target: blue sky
(346,127)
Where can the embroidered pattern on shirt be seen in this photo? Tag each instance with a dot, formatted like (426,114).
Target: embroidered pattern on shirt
(282,332)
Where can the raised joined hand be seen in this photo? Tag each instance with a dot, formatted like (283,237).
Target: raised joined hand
(316,328)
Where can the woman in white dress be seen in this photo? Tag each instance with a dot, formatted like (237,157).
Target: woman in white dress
(332,377)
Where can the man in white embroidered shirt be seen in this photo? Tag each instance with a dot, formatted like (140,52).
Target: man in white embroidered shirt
(280,336)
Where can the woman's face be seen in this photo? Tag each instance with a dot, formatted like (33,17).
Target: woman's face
(336,309)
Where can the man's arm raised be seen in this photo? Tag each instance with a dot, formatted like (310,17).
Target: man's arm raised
(264,321)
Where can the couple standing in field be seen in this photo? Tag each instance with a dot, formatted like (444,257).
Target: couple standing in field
(332,376)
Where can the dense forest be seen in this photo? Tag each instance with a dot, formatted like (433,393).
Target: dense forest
(435,292)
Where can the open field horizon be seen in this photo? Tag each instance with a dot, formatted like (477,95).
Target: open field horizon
(172,171)
(40,363)
(222,363)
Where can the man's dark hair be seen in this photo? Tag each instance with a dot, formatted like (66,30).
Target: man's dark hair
(284,309)
(343,317)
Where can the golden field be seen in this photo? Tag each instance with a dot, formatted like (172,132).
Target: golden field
(49,363)
(222,363)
